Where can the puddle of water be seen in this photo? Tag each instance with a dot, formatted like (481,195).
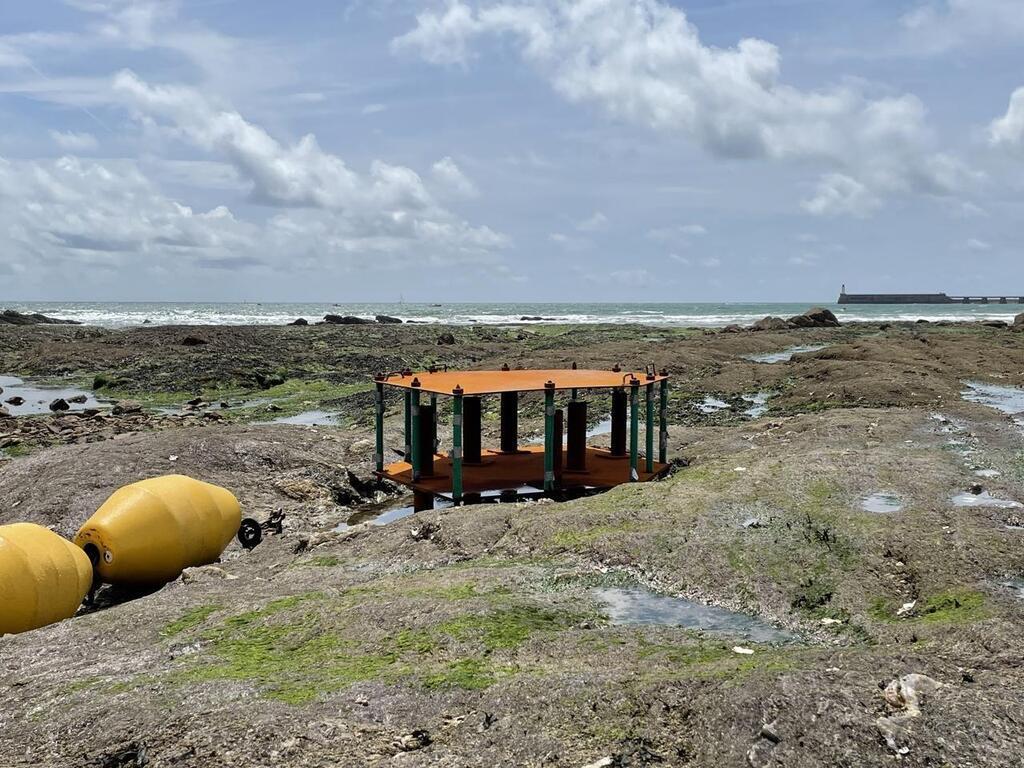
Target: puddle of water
(641,606)
(711,405)
(882,502)
(37,399)
(1006,399)
(388,512)
(759,404)
(1016,586)
(785,355)
(310,419)
(983,499)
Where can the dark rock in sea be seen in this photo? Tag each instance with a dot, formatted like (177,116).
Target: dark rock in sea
(147,321)
(10,317)
(16,400)
(193,341)
(922,321)
(78,399)
(347,320)
(770,324)
(815,317)
(300,321)
(446,339)
(388,319)
(534,318)
(60,404)
(995,324)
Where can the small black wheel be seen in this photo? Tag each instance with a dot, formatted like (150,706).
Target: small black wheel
(250,533)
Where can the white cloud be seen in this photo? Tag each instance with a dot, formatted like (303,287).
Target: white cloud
(838,194)
(643,62)
(941,25)
(388,208)
(979,245)
(452,180)
(373,109)
(74,142)
(680,234)
(1007,132)
(596,223)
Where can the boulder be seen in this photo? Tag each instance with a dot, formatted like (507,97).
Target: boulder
(123,407)
(10,317)
(78,399)
(193,341)
(732,328)
(60,404)
(300,321)
(815,317)
(446,339)
(387,319)
(4,413)
(16,400)
(1018,321)
(770,324)
(347,320)
(995,324)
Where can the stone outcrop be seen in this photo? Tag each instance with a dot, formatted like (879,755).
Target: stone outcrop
(387,319)
(347,320)
(816,317)
(10,317)
(770,324)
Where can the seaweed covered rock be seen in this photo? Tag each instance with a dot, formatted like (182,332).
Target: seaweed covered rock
(815,317)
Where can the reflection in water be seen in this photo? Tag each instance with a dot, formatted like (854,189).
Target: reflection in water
(882,502)
(37,399)
(641,606)
(983,499)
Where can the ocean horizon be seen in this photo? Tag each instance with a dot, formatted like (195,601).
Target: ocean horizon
(698,314)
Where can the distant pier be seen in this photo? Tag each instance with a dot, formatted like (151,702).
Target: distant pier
(923,298)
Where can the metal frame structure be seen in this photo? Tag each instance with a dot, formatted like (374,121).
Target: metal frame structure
(467,472)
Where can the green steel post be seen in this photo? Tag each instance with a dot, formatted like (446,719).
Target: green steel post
(408,425)
(414,415)
(663,438)
(650,428)
(456,454)
(378,456)
(634,428)
(437,437)
(549,437)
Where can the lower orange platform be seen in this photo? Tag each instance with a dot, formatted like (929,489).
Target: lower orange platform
(499,471)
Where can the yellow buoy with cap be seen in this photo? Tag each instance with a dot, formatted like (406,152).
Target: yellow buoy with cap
(148,532)
(43,577)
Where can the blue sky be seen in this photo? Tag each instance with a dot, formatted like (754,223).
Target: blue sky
(503,150)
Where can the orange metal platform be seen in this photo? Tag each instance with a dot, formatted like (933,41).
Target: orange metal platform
(500,471)
(495,382)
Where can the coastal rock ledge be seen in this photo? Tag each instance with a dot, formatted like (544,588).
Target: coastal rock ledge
(815,317)
(11,317)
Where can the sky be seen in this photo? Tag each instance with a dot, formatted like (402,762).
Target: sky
(509,150)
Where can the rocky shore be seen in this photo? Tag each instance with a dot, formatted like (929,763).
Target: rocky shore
(847,499)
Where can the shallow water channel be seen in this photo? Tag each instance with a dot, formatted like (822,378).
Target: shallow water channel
(641,606)
(785,355)
(38,398)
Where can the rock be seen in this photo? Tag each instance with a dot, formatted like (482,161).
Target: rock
(446,339)
(769,732)
(4,413)
(387,319)
(410,742)
(604,762)
(78,399)
(195,401)
(884,326)
(15,400)
(815,317)
(1018,321)
(10,317)
(751,522)
(770,324)
(60,404)
(347,320)
(205,573)
(193,341)
(364,446)
(904,696)
(274,408)
(995,324)
(300,321)
(124,407)
(732,328)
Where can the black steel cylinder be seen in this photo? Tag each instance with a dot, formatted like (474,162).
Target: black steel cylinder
(576,458)
(509,422)
(471,429)
(619,399)
(427,437)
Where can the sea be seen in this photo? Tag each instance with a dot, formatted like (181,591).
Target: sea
(701,315)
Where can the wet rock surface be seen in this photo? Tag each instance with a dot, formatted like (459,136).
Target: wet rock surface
(475,636)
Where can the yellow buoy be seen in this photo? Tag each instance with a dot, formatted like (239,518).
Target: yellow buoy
(148,532)
(43,577)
